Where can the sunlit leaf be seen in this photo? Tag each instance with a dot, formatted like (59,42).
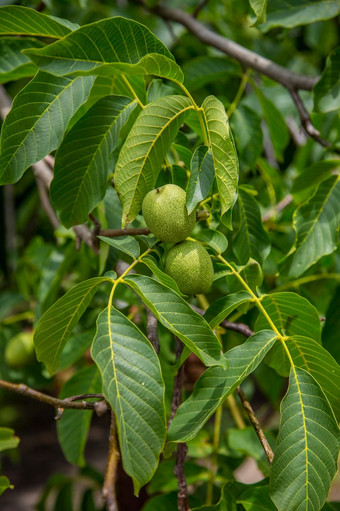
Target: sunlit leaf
(127,244)
(7,439)
(259,7)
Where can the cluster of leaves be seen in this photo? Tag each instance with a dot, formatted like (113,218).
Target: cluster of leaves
(92,101)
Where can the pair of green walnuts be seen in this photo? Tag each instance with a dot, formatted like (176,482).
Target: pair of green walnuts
(188,263)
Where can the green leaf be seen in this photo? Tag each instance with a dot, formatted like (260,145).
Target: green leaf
(311,356)
(316,223)
(109,46)
(164,278)
(203,70)
(36,123)
(223,150)
(7,439)
(214,239)
(4,484)
(276,123)
(82,160)
(74,425)
(246,125)
(289,13)
(15,20)
(305,456)
(221,308)
(304,185)
(326,92)
(202,174)
(251,240)
(216,384)
(330,332)
(178,317)
(259,7)
(127,244)
(226,503)
(253,497)
(56,325)
(74,349)
(143,152)
(13,64)
(132,384)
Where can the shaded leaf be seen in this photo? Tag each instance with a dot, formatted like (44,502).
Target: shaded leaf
(143,152)
(203,70)
(132,384)
(223,150)
(216,384)
(56,325)
(221,308)
(326,92)
(304,185)
(253,497)
(36,123)
(74,349)
(13,64)
(305,456)
(202,174)
(251,240)
(18,20)
(246,125)
(127,244)
(214,239)
(316,224)
(178,317)
(330,332)
(74,425)
(113,45)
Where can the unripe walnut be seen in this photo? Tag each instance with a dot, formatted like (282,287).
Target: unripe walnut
(165,213)
(189,264)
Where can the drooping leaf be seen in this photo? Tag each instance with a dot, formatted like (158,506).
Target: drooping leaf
(251,240)
(82,160)
(37,121)
(109,46)
(304,185)
(289,13)
(143,152)
(277,126)
(259,7)
(246,125)
(216,384)
(18,20)
(305,456)
(223,150)
(326,92)
(73,426)
(127,244)
(311,356)
(203,70)
(221,308)
(214,239)
(202,174)
(132,384)
(56,325)
(177,315)
(292,315)
(316,223)
(13,64)
(7,439)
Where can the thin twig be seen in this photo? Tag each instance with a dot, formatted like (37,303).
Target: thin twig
(45,202)
(114,233)
(182,495)
(198,9)
(109,488)
(257,426)
(152,330)
(228,325)
(178,382)
(24,390)
(288,199)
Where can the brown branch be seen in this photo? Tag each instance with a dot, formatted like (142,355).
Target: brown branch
(257,426)
(109,488)
(305,118)
(45,202)
(152,330)
(182,495)
(113,233)
(246,57)
(228,325)
(69,402)
(198,9)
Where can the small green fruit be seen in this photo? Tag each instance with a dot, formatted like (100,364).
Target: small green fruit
(189,264)
(19,351)
(165,213)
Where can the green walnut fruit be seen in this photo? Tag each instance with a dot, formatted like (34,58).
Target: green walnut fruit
(189,264)
(165,213)
(19,351)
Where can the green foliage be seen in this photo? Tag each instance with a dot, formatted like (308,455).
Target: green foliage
(125,106)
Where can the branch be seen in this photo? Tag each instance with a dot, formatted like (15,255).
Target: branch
(113,233)
(45,202)
(109,488)
(152,330)
(288,199)
(236,327)
(182,496)
(246,57)
(257,426)
(69,402)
